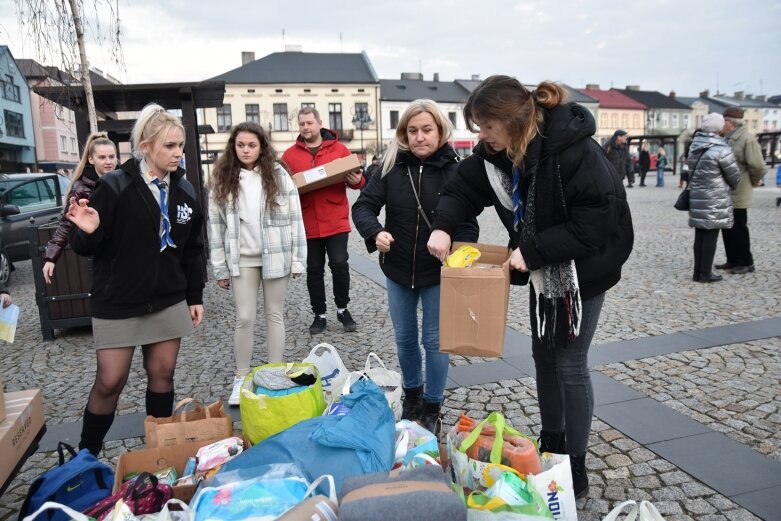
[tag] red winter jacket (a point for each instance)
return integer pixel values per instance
(326, 211)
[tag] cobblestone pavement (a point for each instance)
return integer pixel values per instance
(733, 389)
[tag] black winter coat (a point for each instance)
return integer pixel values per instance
(597, 233)
(408, 262)
(131, 276)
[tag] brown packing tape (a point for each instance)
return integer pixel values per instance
(394, 488)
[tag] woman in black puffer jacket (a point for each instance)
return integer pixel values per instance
(415, 168)
(714, 173)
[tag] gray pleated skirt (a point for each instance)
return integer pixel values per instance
(171, 322)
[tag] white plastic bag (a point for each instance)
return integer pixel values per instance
(51, 505)
(619, 509)
(648, 512)
(388, 381)
(332, 370)
(554, 484)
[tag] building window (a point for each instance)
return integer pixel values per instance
(675, 120)
(63, 144)
(624, 120)
(307, 104)
(307, 91)
(74, 146)
(278, 91)
(614, 120)
(603, 120)
(14, 124)
(253, 113)
(636, 121)
(224, 118)
(335, 116)
(452, 117)
(361, 116)
(280, 116)
(685, 121)
(665, 120)
(394, 118)
(10, 91)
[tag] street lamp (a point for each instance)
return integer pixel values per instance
(361, 120)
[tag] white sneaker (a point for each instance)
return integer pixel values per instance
(236, 393)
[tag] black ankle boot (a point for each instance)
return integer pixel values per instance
(552, 441)
(93, 431)
(579, 475)
(159, 405)
(430, 418)
(412, 403)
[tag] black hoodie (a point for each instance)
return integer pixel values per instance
(597, 232)
(408, 262)
(131, 276)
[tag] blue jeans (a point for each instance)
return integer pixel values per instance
(660, 177)
(564, 389)
(403, 305)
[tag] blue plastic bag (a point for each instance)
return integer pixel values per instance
(263, 493)
(357, 443)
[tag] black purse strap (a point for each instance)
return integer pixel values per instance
(691, 175)
(417, 199)
(62, 445)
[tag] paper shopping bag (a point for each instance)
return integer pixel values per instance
(202, 423)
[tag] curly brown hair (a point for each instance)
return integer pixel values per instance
(224, 180)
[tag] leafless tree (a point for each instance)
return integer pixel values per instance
(57, 29)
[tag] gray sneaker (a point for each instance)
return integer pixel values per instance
(347, 320)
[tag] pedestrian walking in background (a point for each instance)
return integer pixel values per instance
(417, 165)
(713, 174)
(256, 239)
(618, 154)
(661, 164)
(644, 162)
(143, 227)
(99, 158)
(569, 225)
(748, 154)
(326, 218)
(372, 170)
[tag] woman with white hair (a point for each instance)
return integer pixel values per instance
(713, 174)
(414, 170)
(142, 226)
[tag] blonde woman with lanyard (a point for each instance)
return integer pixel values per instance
(99, 158)
(143, 228)
(256, 239)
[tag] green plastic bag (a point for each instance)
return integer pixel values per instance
(263, 416)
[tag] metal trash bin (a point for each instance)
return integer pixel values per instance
(66, 301)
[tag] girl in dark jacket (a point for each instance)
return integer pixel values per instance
(416, 167)
(143, 228)
(569, 224)
(99, 157)
(714, 175)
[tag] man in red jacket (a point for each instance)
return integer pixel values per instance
(326, 217)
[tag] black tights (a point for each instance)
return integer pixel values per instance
(110, 379)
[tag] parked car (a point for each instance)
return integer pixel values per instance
(26, 199)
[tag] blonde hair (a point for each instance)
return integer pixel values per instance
(401, 141)
(94, 139)
(504, 99)
(153, 122)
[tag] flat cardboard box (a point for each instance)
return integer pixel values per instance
(24, 419)
(326, 175)
(473, 304)
(2, 401)
(152, 460)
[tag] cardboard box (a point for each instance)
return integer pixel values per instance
(2, 401)
(152, 460)
(24, 419)
(326, 175)
(473, 304)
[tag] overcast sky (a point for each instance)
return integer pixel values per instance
(664, 45)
